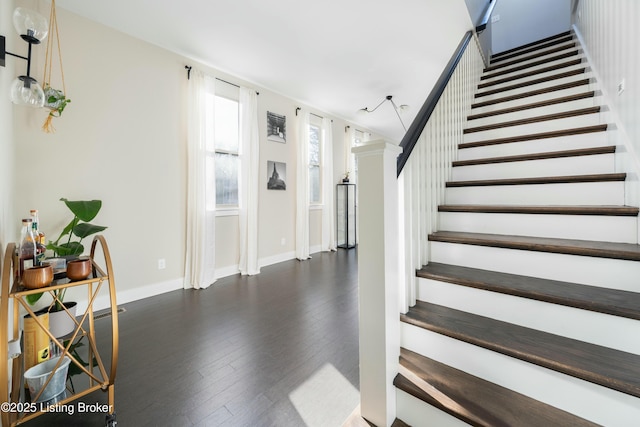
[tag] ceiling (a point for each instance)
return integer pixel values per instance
(336, 56)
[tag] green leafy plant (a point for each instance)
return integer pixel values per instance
(83, 211)
(56, 101)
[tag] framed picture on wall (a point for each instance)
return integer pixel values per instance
(276, 175)
(276, 127)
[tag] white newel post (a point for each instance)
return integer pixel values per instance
(378, 279)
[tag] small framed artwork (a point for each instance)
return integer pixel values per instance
(276, 175)
(276, 127)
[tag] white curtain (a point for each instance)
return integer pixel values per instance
(302, 187)
(328, 189)
(248, 182)
(200, 251)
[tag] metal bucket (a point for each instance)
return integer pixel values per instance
(37, 376)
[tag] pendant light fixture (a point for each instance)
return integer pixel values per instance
(396, 108)
(32, 28)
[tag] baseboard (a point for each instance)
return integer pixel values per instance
(227, 271)
(274, 259)
(102, 301)
(122, 297)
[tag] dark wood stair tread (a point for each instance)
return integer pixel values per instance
(563, 86)
(537, 156)
(567, 179)
(532, 44)
(614, 369)
(544, 210)
(622, 251)
(530, 73)
(501, 71)
(522, 51)
(535, 136)
(474, 400)
(614, 302)
(535, 119)
(530, 56)
(532, 82)
(545, 103)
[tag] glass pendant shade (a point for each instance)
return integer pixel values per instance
(27, 92)
(31, 26)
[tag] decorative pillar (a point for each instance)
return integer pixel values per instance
(378, 280)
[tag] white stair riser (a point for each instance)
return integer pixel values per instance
(534, 112)
(517, 76)
(530, 99)
(533, 128)
(541, 55)
(581, 227)
(487, 95)
(417, 413)
(571, 142)
(587, 193)
(593, 402)
(603, 272)
(578, 165)
(582, 325)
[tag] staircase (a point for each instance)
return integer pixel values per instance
(528, 312)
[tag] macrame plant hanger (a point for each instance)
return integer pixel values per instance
(54, 99)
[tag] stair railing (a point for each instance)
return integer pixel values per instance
(429, 147)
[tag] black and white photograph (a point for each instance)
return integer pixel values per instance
(276, 127)
(276, 175)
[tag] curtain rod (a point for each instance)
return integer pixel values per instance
(347, 127)
(188, 68)
(313, 114)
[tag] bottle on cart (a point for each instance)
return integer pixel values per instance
(27, 250)
(35, 224)
(38, 236)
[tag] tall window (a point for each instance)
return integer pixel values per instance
(315, 156)
(227, 151)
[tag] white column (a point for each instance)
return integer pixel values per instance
(378, 280)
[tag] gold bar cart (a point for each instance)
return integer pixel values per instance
(14, 411)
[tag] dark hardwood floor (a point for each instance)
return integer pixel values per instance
(276, 349)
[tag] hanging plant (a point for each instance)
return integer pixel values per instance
(55, 99)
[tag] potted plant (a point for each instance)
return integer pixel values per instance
(56, 101)
(83, 212)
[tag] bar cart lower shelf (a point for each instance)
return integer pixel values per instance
(16, 406)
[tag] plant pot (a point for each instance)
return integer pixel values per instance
(37, 277)
(79, 269)
(60, 324)
(37, 376)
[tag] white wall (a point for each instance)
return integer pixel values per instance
(609, 32)
(7, 222)
(122, 139)
(476, 9)
(525, 21)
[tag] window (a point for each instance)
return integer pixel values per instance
(315, 183)
(227, 151)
